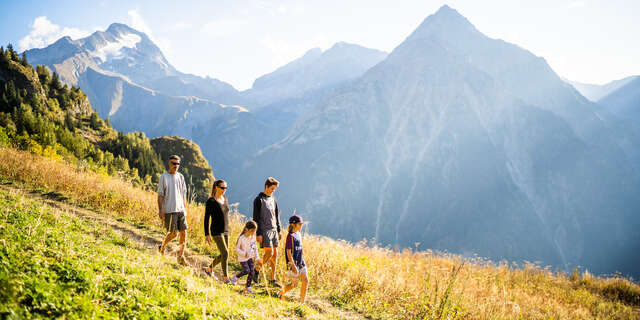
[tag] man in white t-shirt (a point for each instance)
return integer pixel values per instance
(172, 209)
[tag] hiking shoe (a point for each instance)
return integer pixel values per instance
(256, 276)
(181, 260)
(228, 282)
(274, 283)
(234, 280)
(249, 290)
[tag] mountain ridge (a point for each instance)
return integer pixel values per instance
(472, 145)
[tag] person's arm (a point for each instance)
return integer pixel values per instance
(240, 247)
(184, 194)
(256, 217)
(160, 197)
(278, 218)
(288, 251)
(207, 218)
(160, 201)
(255, 252)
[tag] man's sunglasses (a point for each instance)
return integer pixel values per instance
(175, 163)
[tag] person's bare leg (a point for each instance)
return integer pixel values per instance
(272, 262)
(167, 239)
(303, 287)
(183, 240)
(287, 288)
(266, 257)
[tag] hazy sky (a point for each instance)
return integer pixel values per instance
(237, 41)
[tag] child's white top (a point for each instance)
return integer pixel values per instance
(247, 248)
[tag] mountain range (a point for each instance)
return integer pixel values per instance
(596, 92)
(463, 143)
(453, 141)
(128, 80)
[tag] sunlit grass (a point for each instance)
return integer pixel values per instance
(377, 282)
(64, 266)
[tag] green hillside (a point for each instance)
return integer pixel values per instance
(57, 264)
(40, 114)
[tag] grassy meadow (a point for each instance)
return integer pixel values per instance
(116, 280)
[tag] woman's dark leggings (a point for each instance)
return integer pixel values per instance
(247, 269)
(222, 241)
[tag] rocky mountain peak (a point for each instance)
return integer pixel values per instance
(445, 23)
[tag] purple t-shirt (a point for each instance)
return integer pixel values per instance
(294, 242)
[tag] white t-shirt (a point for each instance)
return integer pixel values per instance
(247, 248)
(173, 189)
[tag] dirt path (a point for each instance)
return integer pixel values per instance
(151, 239)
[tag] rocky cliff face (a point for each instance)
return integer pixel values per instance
(466, 144)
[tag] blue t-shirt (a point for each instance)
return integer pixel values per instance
(294, 242)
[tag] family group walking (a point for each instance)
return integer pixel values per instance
(264, 229)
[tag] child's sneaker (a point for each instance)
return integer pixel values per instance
(234, 280)
(249, 290)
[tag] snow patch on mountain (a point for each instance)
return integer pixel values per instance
(113, 49)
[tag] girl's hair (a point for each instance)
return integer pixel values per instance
(291, 225)
(250, 225)
(216, 183)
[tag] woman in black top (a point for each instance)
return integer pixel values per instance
(217, 212)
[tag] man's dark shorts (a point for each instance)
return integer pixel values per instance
(269, 239)
(175, 221)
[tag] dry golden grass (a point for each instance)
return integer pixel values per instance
(376, 281)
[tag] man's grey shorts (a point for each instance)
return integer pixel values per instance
(269, 239)
(175, 221)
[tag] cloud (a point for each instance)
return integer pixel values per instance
(577, 4)
(276, 8)
(181, 25)
(44, 32)
(224, 27)
(137, 22)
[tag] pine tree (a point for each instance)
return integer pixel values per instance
(96, 122)
(3, 57)
(24, 59)
(69, 121)
(55, 82)
(13, 55)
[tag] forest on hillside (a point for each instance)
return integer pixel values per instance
(40, 114)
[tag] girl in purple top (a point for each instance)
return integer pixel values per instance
(296, 267)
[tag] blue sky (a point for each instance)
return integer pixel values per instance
(237, 41)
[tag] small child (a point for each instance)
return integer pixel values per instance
(247, 250)
(296, 267)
